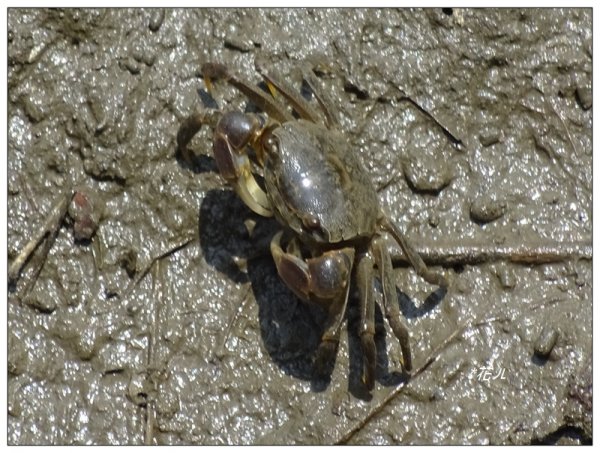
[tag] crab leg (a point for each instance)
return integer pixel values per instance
(216, 71)
(413, 256)
(331, 335)
(322, 99)
(303, 108)
(364, 282)
(390, 299)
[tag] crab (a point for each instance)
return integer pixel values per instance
(300, 170)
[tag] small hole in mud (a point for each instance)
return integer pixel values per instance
(447, 11)
(459, 268)
(360, 93)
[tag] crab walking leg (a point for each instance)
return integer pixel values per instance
(413, 256)
(364, 282)
(303, 108)
(322, 99)
(324, 280)
(216, 71)
(390, 299)
(331, 336)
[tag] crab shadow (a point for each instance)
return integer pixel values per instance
(290, 329)
(413, 311)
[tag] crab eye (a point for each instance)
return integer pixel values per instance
(311, 222)
(270, 144)
(312, 226)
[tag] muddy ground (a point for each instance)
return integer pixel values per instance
(171, 326)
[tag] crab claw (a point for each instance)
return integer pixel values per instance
(324, 280)
(231, 137)
(325, 277)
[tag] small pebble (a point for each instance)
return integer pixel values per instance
(427, 175)
(506, 277)
(85, 210)
(545, 342)
(149, 57)
(584, 97)
(461, 286)
(485, 209)
(141, 54)
(581, 276)
(490, 135)
(137, 51)
(132, 65)
(434, 220)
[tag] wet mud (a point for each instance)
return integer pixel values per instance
(150, 312)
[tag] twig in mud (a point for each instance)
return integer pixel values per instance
(455, 254)
(140, 275)
(561, 162)
(150, 421)
(428, 361)
(564, 126)
(547, 303)
(38, 260)
(150, 408)
(403, 97)
(220, 350)
(49, 229)
(28, 195)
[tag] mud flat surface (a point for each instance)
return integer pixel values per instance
(170, 325)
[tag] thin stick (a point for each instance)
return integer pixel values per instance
(48, 229)
(403, 97)
(147, 268)
(153, 335)
(447, 254)
(578, 176)
(38, 259)
(220, 350)
(149, 428)
(428, 361)
(28, 193)
(564, 126)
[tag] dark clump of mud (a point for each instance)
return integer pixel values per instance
(151, 311)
